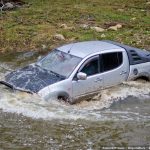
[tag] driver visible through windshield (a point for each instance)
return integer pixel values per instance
(60, 63)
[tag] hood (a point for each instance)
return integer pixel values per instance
(31, 78)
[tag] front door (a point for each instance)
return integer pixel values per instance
(94, 81)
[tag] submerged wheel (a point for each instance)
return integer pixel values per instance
(142, 79)
(63, 98)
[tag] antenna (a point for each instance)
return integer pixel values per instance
(71, 47)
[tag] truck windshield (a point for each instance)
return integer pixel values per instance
(59, 62)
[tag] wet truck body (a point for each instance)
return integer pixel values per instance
(81, 69)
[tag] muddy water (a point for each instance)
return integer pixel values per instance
(116, 117)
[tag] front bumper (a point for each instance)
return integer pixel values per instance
(14, 88)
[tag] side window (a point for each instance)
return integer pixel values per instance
(91, 67)
(111, 61)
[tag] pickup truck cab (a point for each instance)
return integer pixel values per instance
(80, 70)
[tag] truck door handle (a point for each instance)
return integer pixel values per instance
(98, 80)
(123, 72)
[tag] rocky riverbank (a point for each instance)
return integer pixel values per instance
(42, 25)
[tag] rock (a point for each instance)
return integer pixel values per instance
(133, 19)
(148, 3)
(59, 37)
(44, 47)
(116, 27)
(84, 26)
(121, 10)
(103, 36)
(39, 58)
(63, 26)
(98, 29)
(9, 6)
(119, 26)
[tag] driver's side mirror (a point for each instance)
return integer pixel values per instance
(81, 76)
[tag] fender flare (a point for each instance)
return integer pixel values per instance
(64, 95)
(144, 76)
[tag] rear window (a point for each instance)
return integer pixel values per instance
(111, 61)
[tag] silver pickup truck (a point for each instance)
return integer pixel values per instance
(80, 70)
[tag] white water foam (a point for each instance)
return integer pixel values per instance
(34, 107)
(106, 97)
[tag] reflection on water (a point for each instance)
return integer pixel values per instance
(117, 116)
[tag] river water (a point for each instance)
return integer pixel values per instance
(117, 117)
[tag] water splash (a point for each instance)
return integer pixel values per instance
(108, 96)
(35, 107)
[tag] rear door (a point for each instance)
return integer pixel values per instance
(114, 67)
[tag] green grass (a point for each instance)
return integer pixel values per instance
(33, 25)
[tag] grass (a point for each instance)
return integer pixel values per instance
(33, 25)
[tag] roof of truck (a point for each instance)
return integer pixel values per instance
(83, 49)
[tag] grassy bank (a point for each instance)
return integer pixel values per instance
(32, 27)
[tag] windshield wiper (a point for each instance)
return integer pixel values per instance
(37, 64)
(58, 75)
